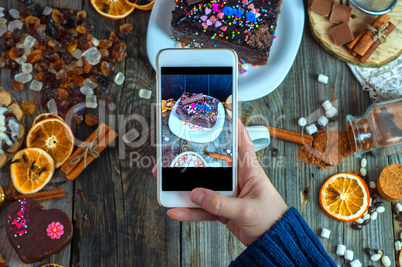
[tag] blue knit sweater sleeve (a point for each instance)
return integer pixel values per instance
(289, 242)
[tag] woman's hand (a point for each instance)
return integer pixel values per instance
(248, 216)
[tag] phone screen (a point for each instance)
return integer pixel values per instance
(197, 133)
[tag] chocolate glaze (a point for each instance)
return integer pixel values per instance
(189, 112)
(35, 245)
(252, 43)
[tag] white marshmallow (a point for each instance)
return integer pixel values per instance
(311, 129)
(331, 112)
(363, 172)
(302, 122)
(398, 245)
(323, 121)
(325, 233)
(340, 250)
(348, 255)
(323, 78)
(363, 163)
(399, 207)
(355, 263)
(327, 105)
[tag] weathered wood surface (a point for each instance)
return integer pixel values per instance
(385, 53)
(121, 223)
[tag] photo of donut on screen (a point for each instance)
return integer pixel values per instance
(196, 117)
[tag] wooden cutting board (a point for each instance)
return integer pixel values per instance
(385, 53)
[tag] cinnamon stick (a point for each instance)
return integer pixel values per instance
(353, 43)
(367, 40)
(67, 166)
(290, 136)
(50, 197)
(105, 142)
(376, 44)
(219, 156)
(42, 194)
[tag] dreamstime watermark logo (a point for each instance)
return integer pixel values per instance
(137, 131)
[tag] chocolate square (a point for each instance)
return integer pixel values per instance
(340, 14)
(342, 34)
(322, 7)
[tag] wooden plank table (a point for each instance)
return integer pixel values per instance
(121, 223)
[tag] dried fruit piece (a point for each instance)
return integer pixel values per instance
(125, 29)
(28, 107)
(114, 38)
(84, 40)
(61, 94)
(87, 67)
(32, 22)
(91, 120)
(34, 56)
(57, 16)
(78, 113)
(85, 28)
(16, 53)
(81, 15)
(105, 43)
(104, 53)
(120, 51)
(18, 86)
(116, 9)
(55, 137)
(31, 170)
(107, 68)
(38, 32)
(72, 45)
(54, 44)
(345, 197)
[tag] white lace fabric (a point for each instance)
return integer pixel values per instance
(381, 83)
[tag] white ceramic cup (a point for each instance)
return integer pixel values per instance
(260, 137)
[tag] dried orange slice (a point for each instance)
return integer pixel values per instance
(51, 265)
(44, 116)
(112, 9)
(141, 4)
(345, 197)
(55, 137)
(31, 170)
(164, 109)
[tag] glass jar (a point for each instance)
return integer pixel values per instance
(379, 130)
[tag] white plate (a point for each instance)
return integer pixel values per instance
(186, 130)
(257, 82)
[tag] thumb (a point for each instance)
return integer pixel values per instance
(217, 203)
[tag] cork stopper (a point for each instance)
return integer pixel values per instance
(389, 184)
(2, 196)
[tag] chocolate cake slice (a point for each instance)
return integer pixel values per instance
(198, 109)
(247, 26)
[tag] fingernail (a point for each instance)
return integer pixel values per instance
(198, 197)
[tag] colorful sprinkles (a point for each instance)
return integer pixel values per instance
(21, 219)
(227, 20)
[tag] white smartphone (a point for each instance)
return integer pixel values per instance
(196, 135)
